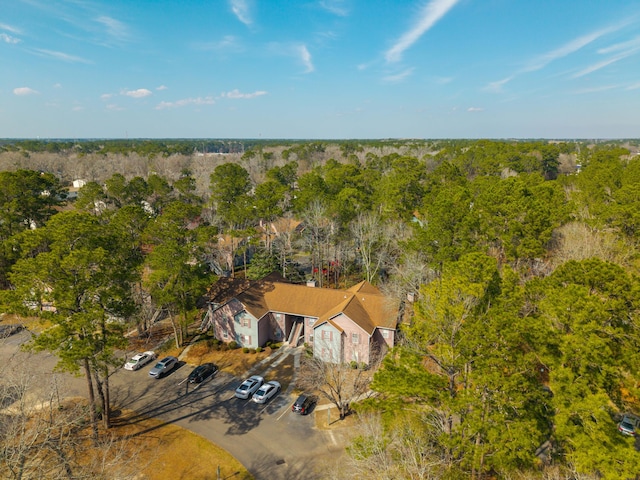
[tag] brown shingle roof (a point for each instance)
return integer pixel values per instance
(363, 303)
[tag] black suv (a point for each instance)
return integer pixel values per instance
(303, 404)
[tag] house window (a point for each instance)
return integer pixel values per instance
(312, 321)
(355, 338)
(225, 335)
(246, 339)
(246, 322)
(326, 334)
(385, 333)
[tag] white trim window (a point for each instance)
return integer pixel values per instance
(327, 335)
(355, 338)
(385, 333)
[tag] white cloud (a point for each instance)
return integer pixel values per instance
(398, 77)
(9, 28)
(77, 109)
(603, 88)
(112, 107)
(106, 96)
(65, 57)
(634, 86)
(566, 49)
(9, 39)
(337, 7)
(186, 101)
(599, 65)
(633, 43)
(23, 91)
(235, 93)
(241, 10)
(162, 87)
(497, 85)
(475, 109)
(139, 93)
(428, 17)
(305, 57)
(228, 43)
(115, 28)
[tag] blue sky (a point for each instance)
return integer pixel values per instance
(320, 69)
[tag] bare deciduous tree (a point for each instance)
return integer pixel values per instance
(340, 383)
(406, 451)
(45, 436)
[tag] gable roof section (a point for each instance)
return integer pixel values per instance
(363, 303)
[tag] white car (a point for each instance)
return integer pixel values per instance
(249, 386)
(266, 392)
(139, 360)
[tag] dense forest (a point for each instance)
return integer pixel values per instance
(516, 263)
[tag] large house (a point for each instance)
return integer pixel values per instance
(342, 325)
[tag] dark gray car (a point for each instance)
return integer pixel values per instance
(163, 367)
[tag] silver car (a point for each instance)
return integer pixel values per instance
(249, 387)
(266, 392)
(163, 366)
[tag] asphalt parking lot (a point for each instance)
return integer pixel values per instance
(269, 440)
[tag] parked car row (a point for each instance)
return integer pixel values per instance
(259, 390)
(253, 387)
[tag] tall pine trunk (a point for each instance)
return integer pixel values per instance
(92, 401)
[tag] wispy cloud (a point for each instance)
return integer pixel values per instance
(541, 61)
(115, 28)
(235, 93)
(427, 18)
(9, 28)
(228, 43)
(24, 91)
(299, 51)
(498, 84)
(305, 58)
(185, 102)
(568, 48)
(398, 77)
(634, 86)
(65, 57)
(162, 87)
(475, 109)
(112, 107)
(602, 64)
(337, 7)
(629, 44)
(602, 88)
(139, 93)
(241, 10)
(9, 39)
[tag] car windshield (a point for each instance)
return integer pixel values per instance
(627, 425)
(159, 365)
(133, 360)
(244, 386)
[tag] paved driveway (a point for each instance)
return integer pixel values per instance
(269, 440)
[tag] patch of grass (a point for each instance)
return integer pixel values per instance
(283, 372)
(33, 324)
(235, 362)
(169, 451)
(329, 419)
